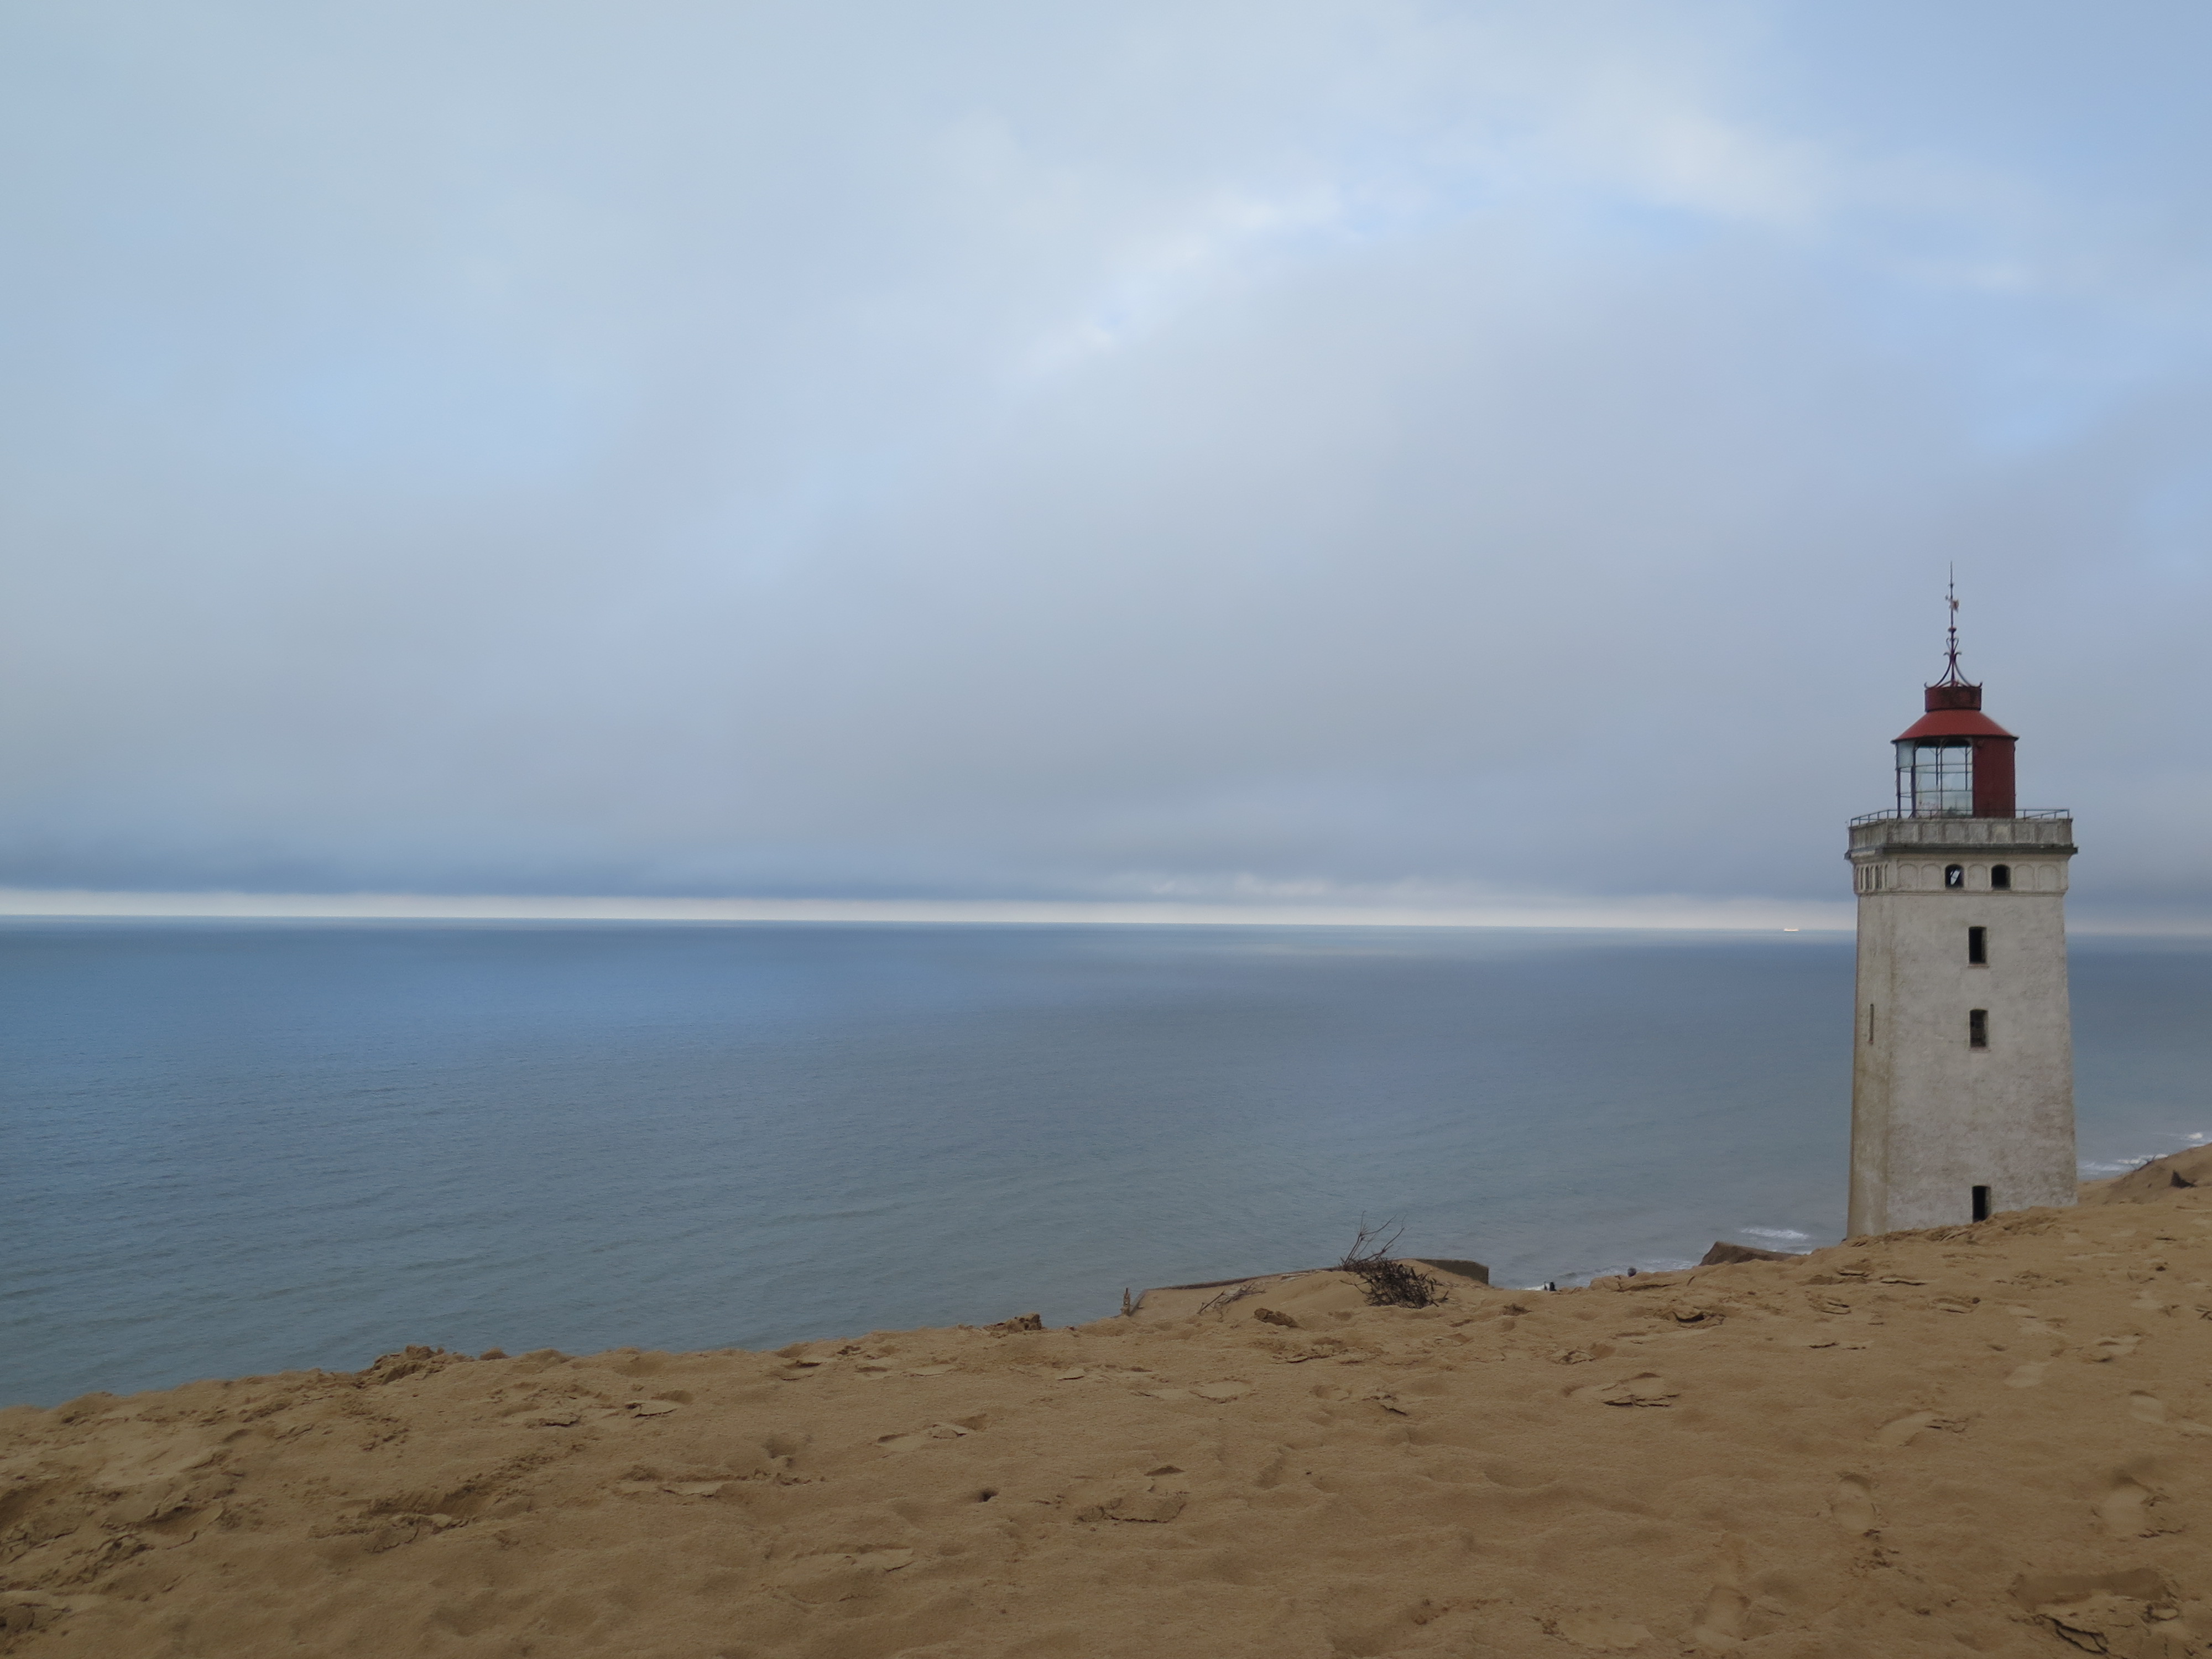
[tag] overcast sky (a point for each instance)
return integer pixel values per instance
(1351, 452)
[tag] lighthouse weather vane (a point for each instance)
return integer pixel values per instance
(1951, 675)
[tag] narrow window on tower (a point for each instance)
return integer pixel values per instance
(1978, 1028)
(1955, 875)
(1869, 1022)
(1981, 1204)
(2001, 877)
(1978, 946)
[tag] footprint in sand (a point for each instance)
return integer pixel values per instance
(1852, 1505)
(1221, 1393)
(881, 1560)
(823, 1580)
(1645, 1388)
(1151, 1505)
(959, 1430)
(2126, 1510)
(1721, 1621)
(1903, 1430)
(2149, 1408)
(677, 1488)
(1591, 1630)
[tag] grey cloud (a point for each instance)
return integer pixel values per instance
(854, 449)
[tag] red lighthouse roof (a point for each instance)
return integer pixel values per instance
(1955, 710)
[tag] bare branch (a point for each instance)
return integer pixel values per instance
(1389, 1283)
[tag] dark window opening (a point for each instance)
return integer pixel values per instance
(1978, 1028)
(1869, 1022)
(1955, 875)
(2001, 877)
(1978, 946)
(1981, 1204)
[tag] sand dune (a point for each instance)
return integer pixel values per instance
(1988, 1439)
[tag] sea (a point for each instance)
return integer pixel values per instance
(232, 1148)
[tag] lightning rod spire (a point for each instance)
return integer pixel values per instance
(1951, 674)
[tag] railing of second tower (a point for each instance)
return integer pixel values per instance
(2026, 812)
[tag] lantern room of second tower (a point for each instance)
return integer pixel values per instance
(1954, 762)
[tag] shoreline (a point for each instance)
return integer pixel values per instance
(1984, 1437)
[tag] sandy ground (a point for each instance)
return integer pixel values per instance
(1988, 1439)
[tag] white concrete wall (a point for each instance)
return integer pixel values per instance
(1932, 1117)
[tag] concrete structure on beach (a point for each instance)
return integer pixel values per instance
(1962, 1077)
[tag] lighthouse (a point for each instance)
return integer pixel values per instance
(1962, 1075)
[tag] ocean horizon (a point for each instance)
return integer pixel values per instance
(246, 1147)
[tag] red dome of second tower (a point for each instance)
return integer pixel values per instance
(1955, 710)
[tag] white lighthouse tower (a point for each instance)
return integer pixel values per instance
(1962, 1081)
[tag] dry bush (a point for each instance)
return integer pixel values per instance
(1234, 1293)
(1389, 1283)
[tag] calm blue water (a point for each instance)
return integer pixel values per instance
(232, 1148)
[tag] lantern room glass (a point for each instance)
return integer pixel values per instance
(1935, 780)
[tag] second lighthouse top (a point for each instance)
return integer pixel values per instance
(1954, 762)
